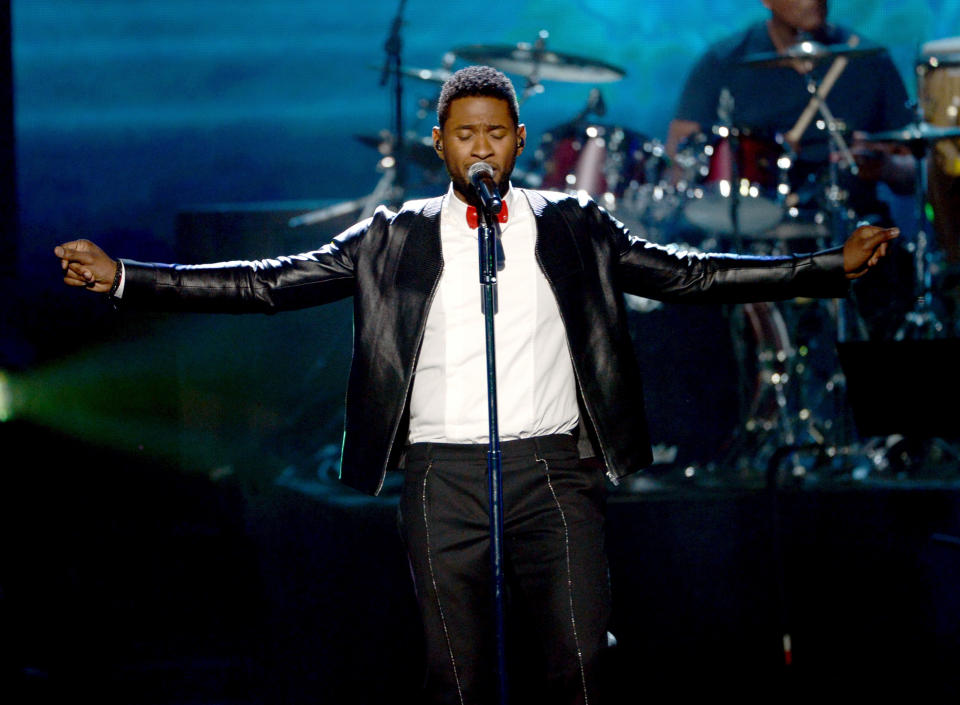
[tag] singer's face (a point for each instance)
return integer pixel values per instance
(479, 129)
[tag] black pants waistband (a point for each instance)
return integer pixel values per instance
(512, 448)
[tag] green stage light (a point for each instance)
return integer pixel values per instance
(205, 393)
(6, 398)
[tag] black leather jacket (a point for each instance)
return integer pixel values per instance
(391, 265)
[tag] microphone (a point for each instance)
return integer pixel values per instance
(481, 176)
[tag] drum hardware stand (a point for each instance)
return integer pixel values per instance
(735, 194)
(787, 365)
(595, 105)
(532, 86)
(783, 419)
(783, 412)
(725, 128)
(831, 441)
(761, 430)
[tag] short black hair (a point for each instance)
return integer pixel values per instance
(477, 81)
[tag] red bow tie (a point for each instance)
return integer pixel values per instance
(473, 219)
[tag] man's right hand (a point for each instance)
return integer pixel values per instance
(84, 264)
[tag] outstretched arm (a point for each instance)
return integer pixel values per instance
(84, 264)
(238, 286)
(865, 247)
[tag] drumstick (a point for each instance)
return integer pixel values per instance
(836, 68)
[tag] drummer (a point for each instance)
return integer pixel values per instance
(868, 96)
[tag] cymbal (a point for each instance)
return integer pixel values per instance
(429, 75)
(937, 60)
(939, 52)
(806, 51)
(915, 132)
(526, 60)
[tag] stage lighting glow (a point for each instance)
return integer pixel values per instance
(6, 398)
(170, 390)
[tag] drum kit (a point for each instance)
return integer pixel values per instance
(729, 188)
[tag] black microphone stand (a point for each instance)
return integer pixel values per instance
(491, 258)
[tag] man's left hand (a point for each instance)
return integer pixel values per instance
(865, 247)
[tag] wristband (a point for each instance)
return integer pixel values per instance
(116, 280)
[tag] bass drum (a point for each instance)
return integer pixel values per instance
(710, 372)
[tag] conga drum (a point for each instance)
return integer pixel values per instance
(938, 90)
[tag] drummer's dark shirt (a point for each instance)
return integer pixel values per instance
(869, 95)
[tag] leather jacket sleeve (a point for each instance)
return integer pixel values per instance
(266, 286)
(668, 273)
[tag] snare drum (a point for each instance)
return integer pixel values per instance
(737, 181)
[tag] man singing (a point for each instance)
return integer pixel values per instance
(570, 394)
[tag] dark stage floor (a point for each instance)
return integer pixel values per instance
(126, 580)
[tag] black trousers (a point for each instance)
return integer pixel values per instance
(554, 562)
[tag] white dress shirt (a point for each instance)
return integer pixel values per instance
(536, 388)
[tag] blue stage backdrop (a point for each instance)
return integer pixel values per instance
(130, 114)
(127, 112)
